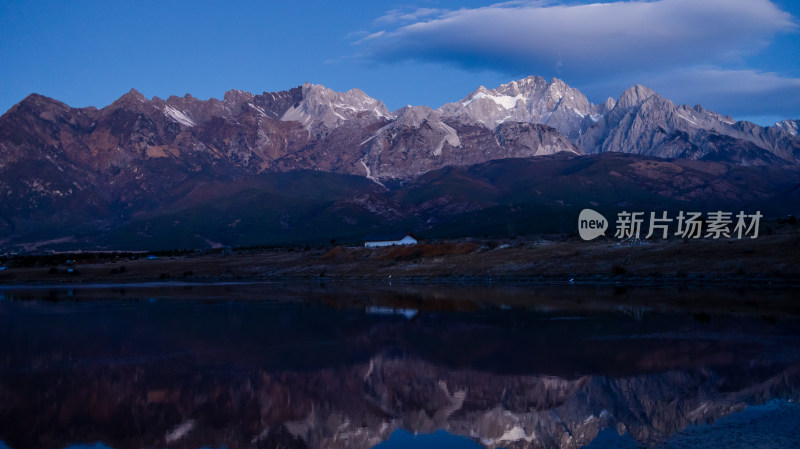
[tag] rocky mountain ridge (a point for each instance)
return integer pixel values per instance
(642, 122)
(312, 127)
(72, 168)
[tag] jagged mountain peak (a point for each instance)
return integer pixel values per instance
(789, 126)
(413, 116)
(522, 86)
(319, 90)
(34, 107)
(133, 95)
(529, 86)
(558, 85)
(133, 100)
(35, 98)
(643, 122)
(176, 100)
(354, 97)
(635, 96)
(237, 96)
(532, 100)
(275, 104)
(608, 105)
(235, 99)
(329, 108)
(38, 102)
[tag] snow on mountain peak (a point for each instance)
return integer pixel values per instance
(178, 116)
(321, 105)
(789, 126)
(413, 117)
(504, 101)
(531, 100)
(526, 86)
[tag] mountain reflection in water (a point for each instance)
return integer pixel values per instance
(345, 366)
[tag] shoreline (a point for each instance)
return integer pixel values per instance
(769, 261)
(381, 297)
(691, 280)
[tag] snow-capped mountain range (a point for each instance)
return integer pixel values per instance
(139, 153)
(313, 127)
(639, 122)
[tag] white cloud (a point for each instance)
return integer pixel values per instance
(582, 41)
(717, 81)
(369, 37)
(733, 92)
(401, 15)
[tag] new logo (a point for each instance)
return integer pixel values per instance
(591, 224)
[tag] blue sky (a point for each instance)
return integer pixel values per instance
(737, 57)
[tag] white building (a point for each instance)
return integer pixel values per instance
(376, 241)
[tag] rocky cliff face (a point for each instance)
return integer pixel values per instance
(642, 122)
(321, 106)
(419, 141)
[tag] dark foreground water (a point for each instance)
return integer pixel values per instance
(360, 366)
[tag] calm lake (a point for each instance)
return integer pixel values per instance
(311, 365)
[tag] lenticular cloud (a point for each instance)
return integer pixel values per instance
(579, 40)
